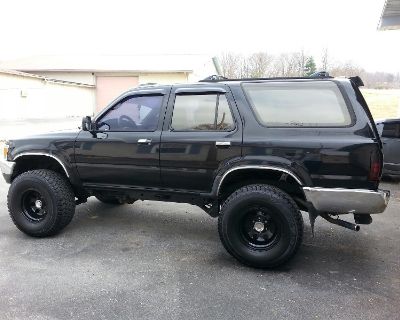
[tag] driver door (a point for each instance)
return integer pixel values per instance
(124, 150)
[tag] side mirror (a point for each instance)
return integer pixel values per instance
(87, 124)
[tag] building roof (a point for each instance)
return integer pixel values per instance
(108, 63)
(46, 79)
(390, 18)
(21, 74)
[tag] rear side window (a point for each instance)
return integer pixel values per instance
(202, 112)
(298, 104)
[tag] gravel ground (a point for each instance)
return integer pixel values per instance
(155, 260)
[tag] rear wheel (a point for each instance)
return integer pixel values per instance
(260, 226)
(41, 202)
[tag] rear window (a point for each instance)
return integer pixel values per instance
(298, 104)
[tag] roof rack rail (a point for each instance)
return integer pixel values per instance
(148, 84)
(317, 75)
(320, 74)
(214, 77)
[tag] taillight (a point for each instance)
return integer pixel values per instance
(375, 171)
(375, 167)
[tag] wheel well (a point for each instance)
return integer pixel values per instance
(32, 162)
(240, 178)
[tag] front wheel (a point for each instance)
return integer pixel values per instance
(41, 202)
(261, 226)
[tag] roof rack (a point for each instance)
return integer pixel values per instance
(214, 77)
(320, 74)
(148, 84)
(316, 75)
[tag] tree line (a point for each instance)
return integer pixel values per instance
(299, 64)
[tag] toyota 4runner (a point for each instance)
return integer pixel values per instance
(252, 152)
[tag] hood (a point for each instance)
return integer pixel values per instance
(59, 134)
(51, 142)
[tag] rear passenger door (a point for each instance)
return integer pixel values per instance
(202, 131)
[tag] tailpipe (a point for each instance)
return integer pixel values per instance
(342, 223)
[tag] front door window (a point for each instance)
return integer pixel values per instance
(140, 113)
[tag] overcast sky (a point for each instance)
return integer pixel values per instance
(348, 28)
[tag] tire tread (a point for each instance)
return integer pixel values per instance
(64, 195)
(267, 190)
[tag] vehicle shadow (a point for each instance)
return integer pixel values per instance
(185, 238)
(166, 220)
(333, 250)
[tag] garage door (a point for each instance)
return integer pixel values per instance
(108, 88)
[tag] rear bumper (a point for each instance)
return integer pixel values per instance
(7, 168)
(341, 201)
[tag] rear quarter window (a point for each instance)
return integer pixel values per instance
(298, 104)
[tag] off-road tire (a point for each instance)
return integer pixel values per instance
(280, 208)
(58, 202)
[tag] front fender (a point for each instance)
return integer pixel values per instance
(58, 146)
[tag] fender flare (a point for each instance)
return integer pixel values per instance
(44, 155)
(259, 167)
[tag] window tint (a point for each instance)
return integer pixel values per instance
(293, 104)
(202, 112)
(224, 116)
(132, 114)
(390, 130)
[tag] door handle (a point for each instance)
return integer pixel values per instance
(223, 144)
(101, 135)
(144, 141)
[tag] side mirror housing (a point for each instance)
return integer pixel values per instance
(87, 124)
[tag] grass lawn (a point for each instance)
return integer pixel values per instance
(383, 103)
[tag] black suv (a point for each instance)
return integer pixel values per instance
(252, 152)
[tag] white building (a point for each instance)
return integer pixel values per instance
(62, 86)
(390, 17)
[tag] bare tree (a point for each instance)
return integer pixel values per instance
(244, 70)
(230, 64)
(346, 69)
(281, 66)
(259, 64)
(324, 59)
(238, 66)
(293, 64)
(301, 62)
(289, 64)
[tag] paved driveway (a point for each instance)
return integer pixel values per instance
(154, 260)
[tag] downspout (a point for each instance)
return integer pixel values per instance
(217, 65)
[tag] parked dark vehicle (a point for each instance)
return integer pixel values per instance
(252, 152)
(389, 129)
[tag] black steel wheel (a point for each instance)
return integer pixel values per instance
(41, 202)
(33, 205)
(261, 226)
